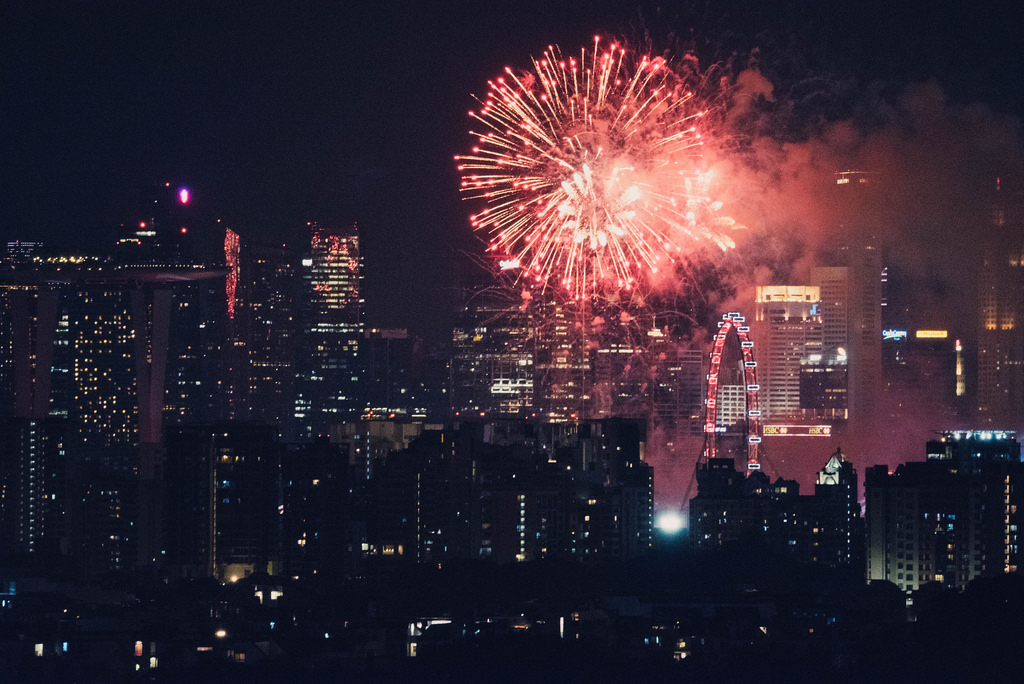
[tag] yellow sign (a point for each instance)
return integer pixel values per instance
(932, 334)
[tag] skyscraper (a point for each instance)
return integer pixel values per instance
(851, 319)
(492, 359)
(563, 365)
(1001, 326)
(263, 292)
(89, 349)
(329, 383)
(787, 330)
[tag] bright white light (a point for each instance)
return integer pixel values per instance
(669, 522)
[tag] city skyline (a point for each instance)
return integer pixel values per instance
(570, 341)
(341, 115)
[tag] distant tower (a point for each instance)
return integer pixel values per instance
(564, 381)
(787, 327)
(492, 359)
(1001, 315)
(851, 317)
(262, 292)
(851, 293)
(677, 391)
(329, 383)
(159, 226)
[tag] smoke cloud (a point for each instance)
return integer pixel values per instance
(932, 167)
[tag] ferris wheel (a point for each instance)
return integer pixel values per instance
(733, 322)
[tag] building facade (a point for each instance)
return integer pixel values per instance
(949, 519)
(328, 372)
(787, 328)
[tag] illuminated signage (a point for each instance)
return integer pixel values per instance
(894, 334)
(796, 430)
(932, 334)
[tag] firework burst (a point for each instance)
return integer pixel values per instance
(589, 170)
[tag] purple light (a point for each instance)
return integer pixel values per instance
(183, 195)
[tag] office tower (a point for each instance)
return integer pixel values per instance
(850, 282)
(921, 377)
(563, 364)
(492, 363)
(1001, 314)
(620, 375)
(394, 368)
(196, 375)
(824, 385)
(787, 330)
(851, 321)
(732, 405)
(677, 390)
(262, 292)
(949, 519)
(328, 374)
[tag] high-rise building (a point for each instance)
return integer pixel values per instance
(223, 500)
(787, 329)
(492, 366)
(328, 371)
(393, 364)
(89, 349)
(851, 321)
(951, 518)
(563, 364)
(1001, 327)
(34, 485)
(515, 491)
(262, 294)
(678, 387)
(316, 525)
(922, 377)
(196, 373)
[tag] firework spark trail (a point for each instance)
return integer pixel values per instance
(588, 169)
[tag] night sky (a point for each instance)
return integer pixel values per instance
(275, 114)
